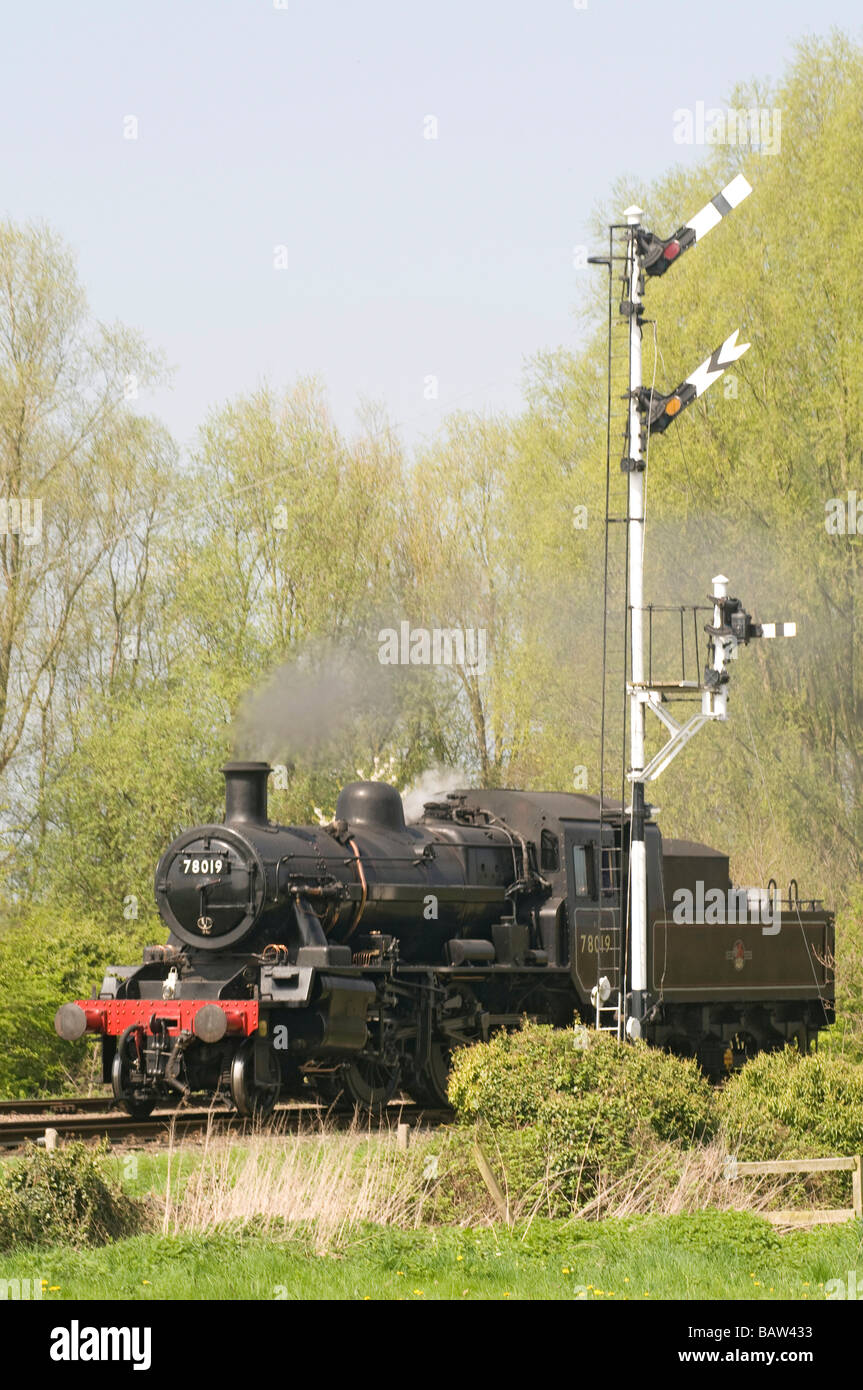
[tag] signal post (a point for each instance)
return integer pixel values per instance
(651, 412)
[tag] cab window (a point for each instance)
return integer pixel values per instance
(549, 851)
(581, 871)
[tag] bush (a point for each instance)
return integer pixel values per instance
(843, 1039)
(783, 1105)
(44, 963)
(64, 1197)
(849, 963)
(567, 1114)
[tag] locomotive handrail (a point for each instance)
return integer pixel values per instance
(364, 887)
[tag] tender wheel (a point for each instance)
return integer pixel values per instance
(367, 1084)
(743, 1047)
(134, 1099)
(429, 1086)
(255, 1079)
(714, 1057)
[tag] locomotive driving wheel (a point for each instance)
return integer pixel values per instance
(136, 1101)
(429, 1086)
(255, 1079)
(367, 1083)
(455, 1024)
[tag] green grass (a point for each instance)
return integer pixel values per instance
(708, 1255)
(144, 1173)
(705, 1256)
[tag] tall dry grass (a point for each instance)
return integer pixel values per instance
(698, 1184)
(665, 1182)
(329, 1182)
(326, 1182)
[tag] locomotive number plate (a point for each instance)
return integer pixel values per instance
(596, 943)
(204, 864)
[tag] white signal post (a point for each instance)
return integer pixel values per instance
(635, 528)
(651, 412)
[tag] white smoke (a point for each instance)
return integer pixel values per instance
(321, 703)
(432, 786)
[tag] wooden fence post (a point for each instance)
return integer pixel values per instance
(491, 1183)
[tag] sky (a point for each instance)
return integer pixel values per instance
(385, 195)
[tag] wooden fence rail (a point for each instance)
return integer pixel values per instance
(734, 1169)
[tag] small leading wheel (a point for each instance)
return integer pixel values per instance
(136, 1101)
(367, 1084)
(429, 1086)
(255, 1079)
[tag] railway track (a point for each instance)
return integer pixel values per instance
(181, 1122)
(59, 1105)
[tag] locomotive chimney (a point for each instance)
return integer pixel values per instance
(246, 793)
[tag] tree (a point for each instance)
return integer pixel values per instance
(79, 495)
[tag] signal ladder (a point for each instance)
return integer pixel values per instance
(609, 1008)
(607, 1000)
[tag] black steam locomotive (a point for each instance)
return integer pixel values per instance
(354, 958)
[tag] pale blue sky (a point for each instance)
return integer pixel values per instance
(303, 127)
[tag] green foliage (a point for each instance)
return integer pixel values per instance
(46, 960)
(847, 1034)
(64, 1197)
(556, 1120)
(844, 1038)
(782, 1105)
(457, 1194)
(716, 1234)
(148, 768)
(508, 1081)
(715, 1256)
(579, 1111)
(97, 473)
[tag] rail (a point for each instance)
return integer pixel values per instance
(178, 1121)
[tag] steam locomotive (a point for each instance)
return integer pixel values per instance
(354, 958)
